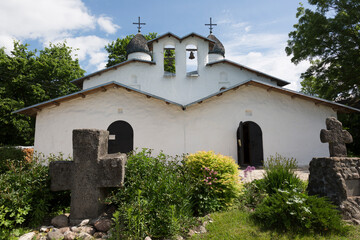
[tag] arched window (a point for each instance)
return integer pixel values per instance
(191, 61)
(169, 60)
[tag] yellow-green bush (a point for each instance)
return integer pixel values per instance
(215, 180)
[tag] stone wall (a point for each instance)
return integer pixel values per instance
(337, 178)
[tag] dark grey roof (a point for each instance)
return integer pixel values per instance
(278, 81)
(79, 81)
(137, 44)
(218, 47)
(32, 110)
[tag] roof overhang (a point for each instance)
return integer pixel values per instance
(279, 82)
(78, 82)
(180, 39)
(32, 110)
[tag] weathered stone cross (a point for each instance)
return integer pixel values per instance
(336, 137)
(89, 174)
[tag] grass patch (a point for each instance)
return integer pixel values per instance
(236, 224)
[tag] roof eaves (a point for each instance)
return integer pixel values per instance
(279, 81)
(114, 67)
(83, 93)
(168, 34)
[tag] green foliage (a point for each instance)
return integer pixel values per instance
(169, 61)
(25, 196)
(252, 194)
(328, 36)
(117, 49)
(279, 174)
(29, 77)
(290, 210)
(10, 155)
(351, 121)
(154, 200)
(215, 179)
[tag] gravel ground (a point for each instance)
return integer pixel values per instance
(303, 174)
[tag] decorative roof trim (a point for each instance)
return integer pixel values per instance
(279, 82)
(78, 82)
(293, 94)
(169, 34)
(32, 110)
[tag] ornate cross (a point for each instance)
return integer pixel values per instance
(139, 24)
(211, 24)
(336, 137)
(89, 174)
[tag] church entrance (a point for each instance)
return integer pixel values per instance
(250, 144)
(121, 137)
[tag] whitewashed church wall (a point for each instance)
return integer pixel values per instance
(290, 127)
(178, 88)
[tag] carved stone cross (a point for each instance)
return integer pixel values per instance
(336, 137)
(88, 176)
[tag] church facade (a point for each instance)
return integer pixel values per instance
(180, 95)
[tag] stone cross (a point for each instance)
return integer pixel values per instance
(336, 137)
(88, 176)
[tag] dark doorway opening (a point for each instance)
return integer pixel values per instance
(250, 144)
(121, 137)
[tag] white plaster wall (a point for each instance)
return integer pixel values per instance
(290, 127)
(139, 55)
(179, 88)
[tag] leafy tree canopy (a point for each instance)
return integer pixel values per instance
(117, 48)
(28, 77)
(328, 36)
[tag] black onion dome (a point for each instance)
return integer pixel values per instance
(137, 44)
(216, 47)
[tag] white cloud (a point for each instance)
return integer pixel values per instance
(107, 25)
(43, 18)
(91, 50)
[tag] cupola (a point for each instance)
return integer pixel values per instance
(138, 48)
(216, 49)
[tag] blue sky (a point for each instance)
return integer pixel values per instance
(254, 32)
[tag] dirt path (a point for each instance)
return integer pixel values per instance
(303, 174)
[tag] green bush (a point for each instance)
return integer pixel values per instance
(279, 174)
(252, 194)
(155, 198)
(291, 210)
(10, 156)
(215, 179)
(25, 196)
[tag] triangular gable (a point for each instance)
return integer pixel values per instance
(279, 82)
(32, 110)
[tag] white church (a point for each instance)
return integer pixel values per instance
(180, 95)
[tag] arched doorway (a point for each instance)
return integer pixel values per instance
(250, 144)
(121, 137)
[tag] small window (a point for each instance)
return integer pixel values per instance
(169, 60)
(191, 61)
(222, 88)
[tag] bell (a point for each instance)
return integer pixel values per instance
(191, 55)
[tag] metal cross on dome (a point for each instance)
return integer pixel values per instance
(211, 24)
(139, 24)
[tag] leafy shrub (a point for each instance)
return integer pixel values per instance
(279, 174)
(252, 194)
(291, 210)
(25, 196)
(154, 200)
(10, 155)
(215, 179)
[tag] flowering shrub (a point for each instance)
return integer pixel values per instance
(155, 198)
(215, 180)
(291, 210)
(280, 174)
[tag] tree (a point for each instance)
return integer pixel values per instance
(29, 77)
(329, 37)
(117, 49)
